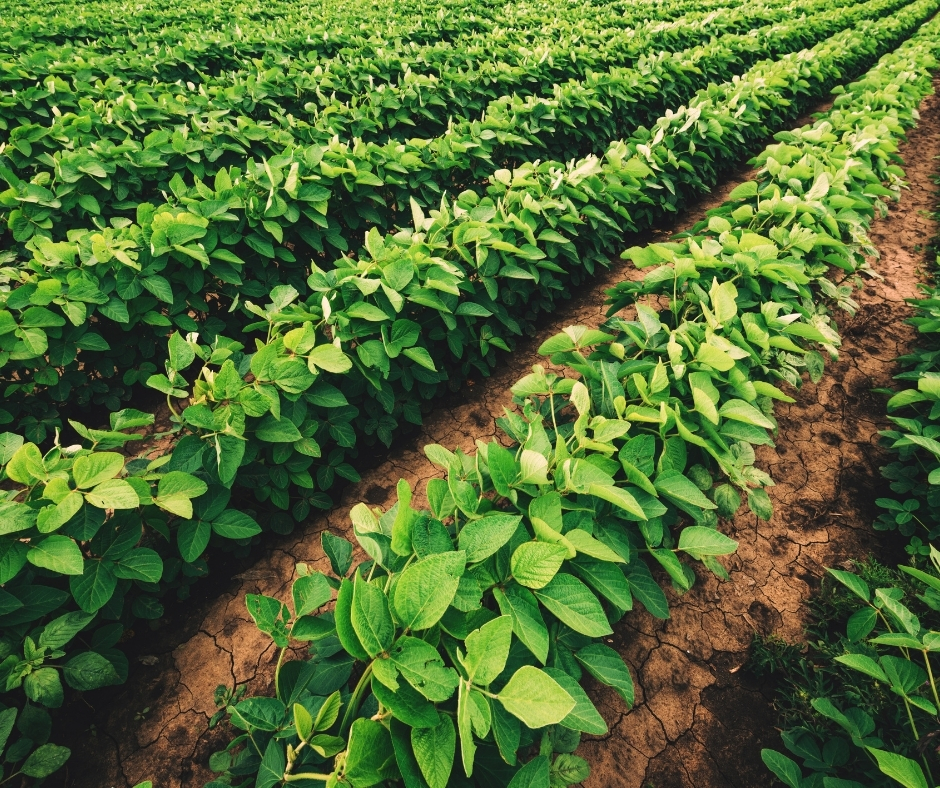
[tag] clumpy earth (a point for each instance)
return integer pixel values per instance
(699, 720)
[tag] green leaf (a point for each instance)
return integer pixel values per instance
(488, 650)
(192, 538)
(343, 616)
(608, 667)
(426, 588)
(371, 617)
(92, 469)
(678, 488)
(782, 766)
(522, 607)
(113, 494)
(574, 604)
(584, 716)
(534, 564)
(370, 758)
(481, 538)
(423, 668)
(899, 768)
(94, 587)
(619, 497)
(759, 502)
(45, 760)
(272, 430)
(310, 592)
(272, 766)
(468, 747)
(61, 630)
(329, 359)
(535, 774)
(535, 698)
(853, 582)
(435, 750)
(57, 554)
(407, 704)
(89, 671)
(727, 500)
(739, 410)
(861, 623)
(647, 590)
(569, 769)
(587, 545)
(863, 664)
(339, 551)
(142, 564)
(233, 524)
(504, 470)
(43, 687)
(697, 540)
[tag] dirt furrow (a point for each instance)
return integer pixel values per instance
(698, 721)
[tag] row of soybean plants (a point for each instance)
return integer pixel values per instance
(86, 527)
(868, 714)
(191, 56)
(194, 260)
(454, 654)
(396, 76)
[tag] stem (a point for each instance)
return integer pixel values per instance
(169, 403)
(289, 778)
(277, 673)
(933, 684)
(355, 700)
(910, 717)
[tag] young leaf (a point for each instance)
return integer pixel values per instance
(425, 589)
(535, 698)
(339, 551)
(534, 564)
(527, 623)
(488, 650)
(371, 617)
(435, 749)
(574, 604)
(608, 667)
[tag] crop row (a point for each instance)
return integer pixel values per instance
(285, 201)
(193, 56)
(528, 554)
(408, 84)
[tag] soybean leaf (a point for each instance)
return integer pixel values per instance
(435, 749)
(45, 760)
(535, 774)
(339, 551)
(425, 589)
(488, 650)
(535, 698)
(584, 716)
(608, 667)
(483, 537)
(89, 671)
(371, 617)
(522, 607)
(574, 604)
(423, 668)
(534, 564)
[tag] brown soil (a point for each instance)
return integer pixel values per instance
(699, 720)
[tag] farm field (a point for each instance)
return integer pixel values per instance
(469, 394)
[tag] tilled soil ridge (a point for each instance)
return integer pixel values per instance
(698, 721)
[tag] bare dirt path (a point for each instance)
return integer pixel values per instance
(696, 714)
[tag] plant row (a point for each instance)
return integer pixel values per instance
(453, 654)
(868, 716)
(299, 43)
(195, 261)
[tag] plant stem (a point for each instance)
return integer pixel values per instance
(933, 684)
(289, 778)
(277, 673)
(355, 700)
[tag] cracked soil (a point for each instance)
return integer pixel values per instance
(699, 721)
